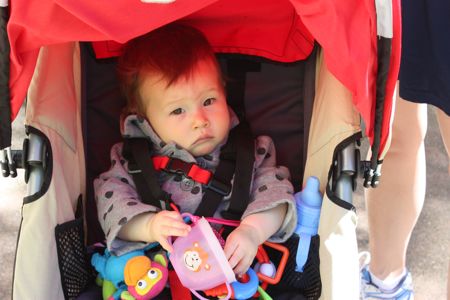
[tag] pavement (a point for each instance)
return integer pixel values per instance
(427, 257)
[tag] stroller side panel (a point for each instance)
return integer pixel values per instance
(53, 202)
(334, 119)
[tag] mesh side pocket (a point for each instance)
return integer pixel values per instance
(76, 273)
(307, 283)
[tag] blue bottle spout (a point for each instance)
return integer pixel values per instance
(309, 202)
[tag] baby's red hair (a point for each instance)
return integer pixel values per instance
(171, 51)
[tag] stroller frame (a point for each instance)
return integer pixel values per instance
(49, 143)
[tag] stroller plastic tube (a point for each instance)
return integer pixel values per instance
(11, 164)
(35, 161)
(4, 163)
(347, 170)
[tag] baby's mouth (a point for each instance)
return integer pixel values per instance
(202, 139)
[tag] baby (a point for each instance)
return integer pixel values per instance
(176, 99)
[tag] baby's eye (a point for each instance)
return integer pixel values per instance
(209, 101)
(177, 111)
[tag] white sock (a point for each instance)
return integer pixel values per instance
(387, 285)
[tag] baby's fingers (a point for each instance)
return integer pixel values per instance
(242, 266)
(171, 230)
(234, 257)
(173, 215)
(230, 246)
(175, 230)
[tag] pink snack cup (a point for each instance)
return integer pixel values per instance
(199, 260)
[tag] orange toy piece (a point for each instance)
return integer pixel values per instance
(221, 290)
(281, 267)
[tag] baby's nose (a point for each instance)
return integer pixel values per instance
(201, 121)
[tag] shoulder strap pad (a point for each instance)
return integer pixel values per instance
(140, 166)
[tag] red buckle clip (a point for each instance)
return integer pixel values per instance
(177, 166)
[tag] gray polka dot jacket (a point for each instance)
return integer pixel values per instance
(118, 201)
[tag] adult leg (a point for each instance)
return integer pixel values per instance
(394, 207)
(444, 125)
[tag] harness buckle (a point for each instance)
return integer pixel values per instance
(178, 166)
(133, 168)
(218, 187)
(192, 171)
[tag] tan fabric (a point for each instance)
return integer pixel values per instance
(339, 268)
(37, 273)
(334, 119)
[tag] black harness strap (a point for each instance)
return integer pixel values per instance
(243, 143)
(245, 157)
(236, 158)
(237, 69)
(140, 166)
(224, 173)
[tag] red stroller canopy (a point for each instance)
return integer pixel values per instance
(280, 30)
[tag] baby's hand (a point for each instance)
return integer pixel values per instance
(167, 223)
(241, 247)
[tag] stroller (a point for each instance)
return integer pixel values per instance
(323, 69)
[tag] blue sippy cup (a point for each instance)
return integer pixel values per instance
(308, 201)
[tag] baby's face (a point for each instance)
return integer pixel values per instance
(192, 112)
